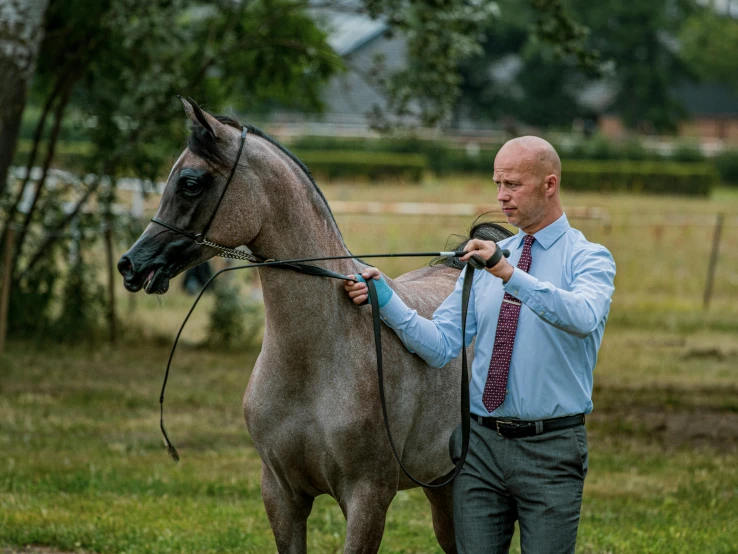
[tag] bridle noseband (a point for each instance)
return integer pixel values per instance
(201, 238)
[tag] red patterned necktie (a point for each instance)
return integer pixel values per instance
(507, 325)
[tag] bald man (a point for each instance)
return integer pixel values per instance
(539, 318)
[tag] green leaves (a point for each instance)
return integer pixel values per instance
(440, 35)
(709, 44)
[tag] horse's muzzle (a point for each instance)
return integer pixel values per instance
(150, 278)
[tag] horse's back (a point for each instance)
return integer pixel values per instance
(424, 289)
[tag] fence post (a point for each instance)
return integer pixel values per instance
(5, 288)
(111, 281)
(713, 260)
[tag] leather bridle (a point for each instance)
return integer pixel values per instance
(201, 238)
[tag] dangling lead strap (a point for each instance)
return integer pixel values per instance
(297, 265)
(465, 416)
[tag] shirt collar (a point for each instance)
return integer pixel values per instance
(548, 235)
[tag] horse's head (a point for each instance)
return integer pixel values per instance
(200, 197)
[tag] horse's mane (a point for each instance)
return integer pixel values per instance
(484, 230)
(202, 144)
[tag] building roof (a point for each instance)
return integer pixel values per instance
(348, 29)
(707, 99)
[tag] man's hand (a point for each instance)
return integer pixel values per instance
(485, 249)
(358, 291)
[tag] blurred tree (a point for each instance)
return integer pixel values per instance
(442, 35)
(115, 66)
(528, 71)
(709, 43)
(632, 46)
(21, 32)
(639, 39)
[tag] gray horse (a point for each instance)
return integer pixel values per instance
(312, 403)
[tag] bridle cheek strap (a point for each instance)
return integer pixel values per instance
(199, 238)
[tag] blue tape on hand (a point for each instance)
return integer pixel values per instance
(384, 293)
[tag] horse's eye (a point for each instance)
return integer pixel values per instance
(190, 186)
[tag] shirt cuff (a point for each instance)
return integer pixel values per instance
(395, 311)
(520, 285)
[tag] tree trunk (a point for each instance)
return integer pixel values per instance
(21, 31)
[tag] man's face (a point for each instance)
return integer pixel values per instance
(520, 187)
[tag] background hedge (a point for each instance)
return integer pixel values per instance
(694, 179)
(333, 164)
(409, 159)
(726, 164)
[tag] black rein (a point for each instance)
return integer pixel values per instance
(298, 265)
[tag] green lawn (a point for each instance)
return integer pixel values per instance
(82, 465)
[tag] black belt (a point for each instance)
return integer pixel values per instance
(515, 428)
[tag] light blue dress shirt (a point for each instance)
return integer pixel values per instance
(565, 303)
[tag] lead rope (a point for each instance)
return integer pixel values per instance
(297, 265)
(465, 412)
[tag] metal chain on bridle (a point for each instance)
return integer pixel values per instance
(231, 253)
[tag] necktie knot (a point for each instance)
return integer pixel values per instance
(529, 240)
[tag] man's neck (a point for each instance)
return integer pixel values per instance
(547, 220)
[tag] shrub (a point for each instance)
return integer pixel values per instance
(234, 322)
(333, 164)
(726, 164)
(83, 304)
(687, 152)
(692, 179)
(441, 157)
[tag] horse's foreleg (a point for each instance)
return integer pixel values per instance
(365, 506)
(287, 514)
(442, 507)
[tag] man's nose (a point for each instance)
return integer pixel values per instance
(502, 195)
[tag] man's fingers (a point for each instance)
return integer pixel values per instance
(360, 299)
(476, 246)
(473, 244)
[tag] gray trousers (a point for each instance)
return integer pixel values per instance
(536, 480)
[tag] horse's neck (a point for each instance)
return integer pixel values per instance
(298, 306)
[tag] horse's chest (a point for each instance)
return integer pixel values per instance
(303, 427)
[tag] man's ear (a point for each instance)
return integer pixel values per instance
(552, 184)
(198, 116)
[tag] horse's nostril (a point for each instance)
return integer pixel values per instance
(125, 267)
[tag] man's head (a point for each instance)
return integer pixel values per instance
(527, 174)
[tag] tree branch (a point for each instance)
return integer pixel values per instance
(53, 234)
(31, 158)
(58, 117)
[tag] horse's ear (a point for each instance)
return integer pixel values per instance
(200, 117)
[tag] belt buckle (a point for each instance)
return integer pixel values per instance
(497, 425)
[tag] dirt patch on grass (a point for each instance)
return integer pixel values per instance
(672, 416)
(681, 429)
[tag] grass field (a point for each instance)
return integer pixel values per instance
(82, 466)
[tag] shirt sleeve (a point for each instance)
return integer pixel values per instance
(577, 311)
(437, 341)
